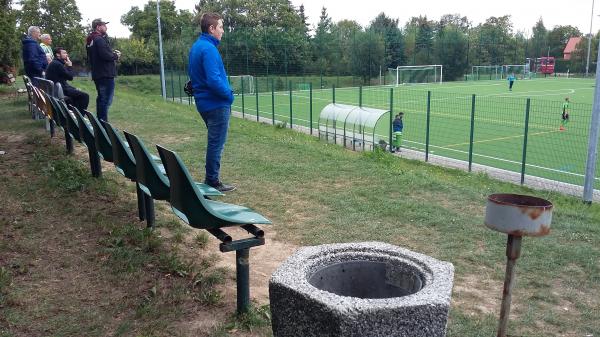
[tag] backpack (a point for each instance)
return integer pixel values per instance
(188, 88)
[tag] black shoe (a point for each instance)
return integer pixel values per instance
(219, 186)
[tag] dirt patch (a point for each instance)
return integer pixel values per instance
(59, 269)
(477, 295)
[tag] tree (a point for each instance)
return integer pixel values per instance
(262, 36)
(578, 59)
(29, 15)
(424, 38)
(558, 38)
(451, 51)
(9, 53)
(344, 34)
(495, 40)
(454, 20)
(304, 19)
(59, 18)
(539, 40)
(387, 28)
(322, 43)
(367, 55)
(138, 56)
(173, 22)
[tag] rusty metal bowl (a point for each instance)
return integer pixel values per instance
(519, 215)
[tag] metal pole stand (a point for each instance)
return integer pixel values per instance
(242, 260)
(513, 251)
(242, 277)
(517, 216)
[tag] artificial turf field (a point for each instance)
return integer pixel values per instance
(498, 127)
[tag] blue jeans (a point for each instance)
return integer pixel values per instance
(217, 122)
(106, 90)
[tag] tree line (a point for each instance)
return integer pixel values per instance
(266, 37)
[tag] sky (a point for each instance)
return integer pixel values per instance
(524, 14)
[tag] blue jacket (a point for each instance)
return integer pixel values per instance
(207, 73)
(34, 58)
(398, 125)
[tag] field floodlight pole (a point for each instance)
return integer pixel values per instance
(590, 170)
(587, 64)
(160, 48)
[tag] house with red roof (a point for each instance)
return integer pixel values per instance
(571, 47)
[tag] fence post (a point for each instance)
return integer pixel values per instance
(360, 96)
(427, 126)
(256, 92)
(310, 107)
(273, 101)
(172, 86)
(243, 105)
(291, 109)
(179, 81)
(472, 132)
(391, 113)
(523, 161)
(333, 94)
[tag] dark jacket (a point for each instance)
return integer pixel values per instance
(34, 58)
(101, 57)
(398, 125)
(207, 73)
(57, 72)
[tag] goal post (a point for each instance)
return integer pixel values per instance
(245, 82)
(520, 70)
(428, 73)
(489, 72)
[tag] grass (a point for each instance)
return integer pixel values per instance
(315, 192)
(499, 119)
(74, 260)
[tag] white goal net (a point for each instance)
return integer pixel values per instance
(492, 72)
(242, 83)
(430, 73)
(521, 71)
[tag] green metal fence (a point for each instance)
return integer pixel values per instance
(518, 137)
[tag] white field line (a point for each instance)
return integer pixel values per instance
(499, 159)
(501, 138)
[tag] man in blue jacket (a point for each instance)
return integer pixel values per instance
(34, 58)
(102, 59)
(212, 94)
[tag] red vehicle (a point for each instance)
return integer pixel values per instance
(545, 65)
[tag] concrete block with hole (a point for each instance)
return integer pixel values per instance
(360, 290)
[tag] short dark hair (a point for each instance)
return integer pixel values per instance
(209, 19)
(57, 50)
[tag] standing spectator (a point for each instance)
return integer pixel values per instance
(34, 58)
(212, 94)
(565, 114)
(102, 59)
(397, 127)
(60, 70)
(46, 45)
(511, 80)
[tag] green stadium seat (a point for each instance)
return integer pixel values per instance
(125, 165)
(103, 144)
(152, 179)
(86, 132)
(72, 125)
(189, 204)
